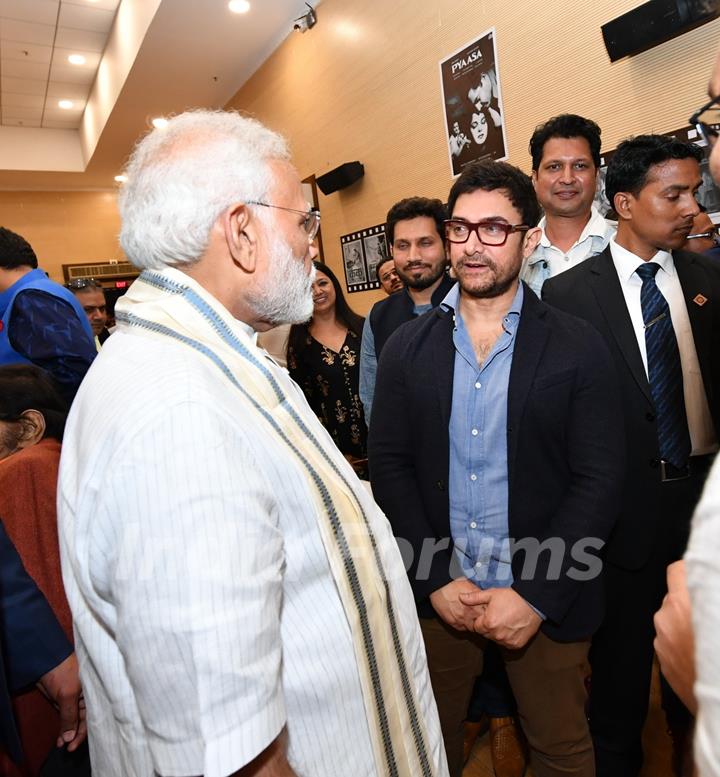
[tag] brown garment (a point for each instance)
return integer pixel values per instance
(28, 489)
(547, 680)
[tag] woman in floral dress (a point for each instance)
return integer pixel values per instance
(324, 359)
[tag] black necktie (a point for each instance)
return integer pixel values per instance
(664, 370)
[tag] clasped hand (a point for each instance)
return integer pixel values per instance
(500, 614)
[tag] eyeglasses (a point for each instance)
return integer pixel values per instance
(311, 222)
(82, 283)
(706, 129)
(489, 233)
(713, 233)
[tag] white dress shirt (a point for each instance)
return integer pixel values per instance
(206, 613)
(547, 260)
(700, 424)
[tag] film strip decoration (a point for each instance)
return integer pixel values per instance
(362, 251)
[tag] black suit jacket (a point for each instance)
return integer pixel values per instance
(592, 291)
(565, 454)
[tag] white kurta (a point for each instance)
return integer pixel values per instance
(206, 613)
(702, 561)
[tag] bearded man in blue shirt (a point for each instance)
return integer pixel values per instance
(496, 452)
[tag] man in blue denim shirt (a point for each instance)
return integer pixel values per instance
(497, 454)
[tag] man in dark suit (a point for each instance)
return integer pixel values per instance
(657, 310)
(414, 232)
(496, 453)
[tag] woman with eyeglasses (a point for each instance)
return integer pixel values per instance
(323, 357)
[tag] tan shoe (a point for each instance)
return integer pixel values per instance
(472, 731)
(507, 748)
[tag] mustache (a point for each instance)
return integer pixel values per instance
(475, 259)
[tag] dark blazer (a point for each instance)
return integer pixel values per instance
(565, 454)
(592, 291)
(31, 639)
(389, 313)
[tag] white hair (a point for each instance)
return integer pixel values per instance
(181, 177)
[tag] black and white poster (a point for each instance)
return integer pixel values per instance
(362, 251)
(472, 100)
(708, 195)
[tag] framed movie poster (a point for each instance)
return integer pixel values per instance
(708, 195)
(362, 251)
(472, 101)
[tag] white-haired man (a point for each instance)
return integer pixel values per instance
(239, 600)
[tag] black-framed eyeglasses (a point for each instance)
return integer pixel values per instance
(706, 129)
(311, 222)
(489, 233)
(77, 284)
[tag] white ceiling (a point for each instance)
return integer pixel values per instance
(144, 58)
(36, 38)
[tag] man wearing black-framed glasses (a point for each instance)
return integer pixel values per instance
(703, 239)
(497, 429)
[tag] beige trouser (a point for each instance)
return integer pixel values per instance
(548, 681)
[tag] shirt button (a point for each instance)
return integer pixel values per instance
(473, 477)
(478, 565)
(474, 432)
(478, 385)
(473, 525)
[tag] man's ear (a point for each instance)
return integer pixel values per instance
(533, 176)
(241, 231)
(532, 238)
(32, 428)
(623, 204)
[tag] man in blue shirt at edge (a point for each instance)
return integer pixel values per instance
(41, 322)
(414, 228)
(499, 425)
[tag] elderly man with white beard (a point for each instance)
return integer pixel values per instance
(240, 604)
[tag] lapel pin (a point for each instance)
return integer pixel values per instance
(700, 300)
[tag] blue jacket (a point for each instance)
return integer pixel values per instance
(38, 281)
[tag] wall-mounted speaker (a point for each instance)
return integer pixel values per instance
(653, 23)
(341, 177)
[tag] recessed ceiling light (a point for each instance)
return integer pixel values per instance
(159, 122)
(239, 6)
(76, 59)
(121, 178)
(65, 104)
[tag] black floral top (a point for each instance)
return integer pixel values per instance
(331, 382)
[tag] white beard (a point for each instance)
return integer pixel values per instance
(284, 295)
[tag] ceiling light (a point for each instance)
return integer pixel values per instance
(159, 122)
(65, 104)
(121, 178)
(76, 59)
(239, 6)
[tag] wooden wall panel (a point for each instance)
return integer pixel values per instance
(64, 227)
(364, 84)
